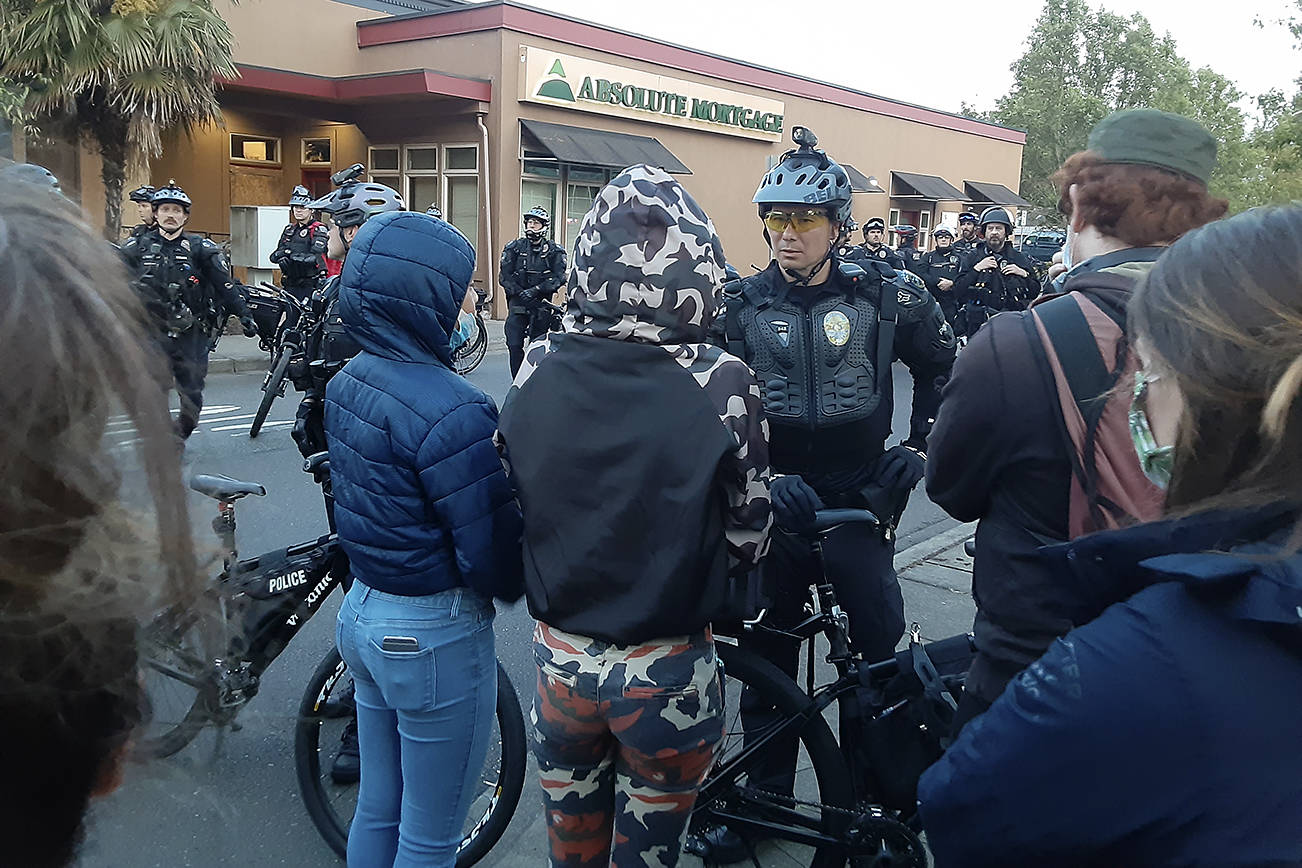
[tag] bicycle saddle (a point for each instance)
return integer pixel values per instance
(224, 488)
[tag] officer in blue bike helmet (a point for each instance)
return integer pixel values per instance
(821, 334)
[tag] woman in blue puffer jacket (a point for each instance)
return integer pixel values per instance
(1166, 731)
(432, 530)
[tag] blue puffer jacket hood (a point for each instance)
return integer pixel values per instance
(416, 270)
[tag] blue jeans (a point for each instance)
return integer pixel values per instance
(426, 679)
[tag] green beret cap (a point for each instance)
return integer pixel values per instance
(1148, 137)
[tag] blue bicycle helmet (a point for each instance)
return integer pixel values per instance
(806, 176)
(171, 193)
(300, 197)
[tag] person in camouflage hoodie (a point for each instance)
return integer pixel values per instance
(640, 457)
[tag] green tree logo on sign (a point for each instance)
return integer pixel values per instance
(555, 86)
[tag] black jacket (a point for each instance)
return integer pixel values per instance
(638, 449)
(883, 253)
(300, 253)
(836, 458)
(911, 257)
(940, 264)
(528, 266)
(993, 289)
(188, 267)
(997, 454)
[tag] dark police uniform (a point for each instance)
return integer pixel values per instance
(300, 255)
(982, 294)
(824, 372)
(140, 229)
(911, 257)
(526, 266)
(935, 266)
(326, 349)
(882, 253)
(188, 290)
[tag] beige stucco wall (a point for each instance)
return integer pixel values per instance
(317, 37)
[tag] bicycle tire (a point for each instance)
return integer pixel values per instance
(469, 356)
(487, 829)
(270, 391)
(831, 777)
(162, 635)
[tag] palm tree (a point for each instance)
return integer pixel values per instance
(122, 71)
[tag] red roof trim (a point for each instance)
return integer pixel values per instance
(412, 82)
(534, 22)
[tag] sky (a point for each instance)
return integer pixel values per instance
(882, 49)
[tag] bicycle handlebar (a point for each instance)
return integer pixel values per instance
(826, 519)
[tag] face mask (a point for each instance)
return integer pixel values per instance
(1157, 462)
(465, 328)
(1066, 248)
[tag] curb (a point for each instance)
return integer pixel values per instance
(919, 552)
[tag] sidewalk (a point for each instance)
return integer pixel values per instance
(936, 577)
(236, 354)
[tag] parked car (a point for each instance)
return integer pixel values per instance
(1041, 244)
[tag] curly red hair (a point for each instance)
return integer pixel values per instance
(1141, 206)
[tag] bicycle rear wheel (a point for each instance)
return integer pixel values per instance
(270, 391)
(321, 721)
(740, 794)
(177, 681)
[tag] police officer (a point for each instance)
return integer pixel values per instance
(532, 269)
(328, 348)
(939, 269)
(300, 252)
(821, 334)
(874, 246)
(969, 235)
(908, 251)
(188, 289)
(994, 277)
(141, 196)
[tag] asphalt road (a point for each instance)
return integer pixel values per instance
(234, 800)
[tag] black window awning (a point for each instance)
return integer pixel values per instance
(995, 194)
(598, 148)
(931, 187)
(859, 182)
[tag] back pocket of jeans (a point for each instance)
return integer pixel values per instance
(405, 678)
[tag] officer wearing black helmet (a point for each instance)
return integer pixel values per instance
(939, 270)
(969, 233)
(994, 277)
(141, 196)
(188, 289)
(874, 245)
(532, 269)
(821, 335)
(300, 252)
(329, 348)
(908, 251)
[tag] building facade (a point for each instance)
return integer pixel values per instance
(489, 109)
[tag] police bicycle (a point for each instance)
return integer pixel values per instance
(853, 802)
(252, 610)
(293, 323)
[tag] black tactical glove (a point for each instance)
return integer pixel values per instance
(250, 326)
(529, 296)
(794, 502)
(901, 468)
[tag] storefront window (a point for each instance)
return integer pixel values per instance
(462, 209)
(924, 228)
(422, 191)
(578, 201)
(539, 193)
(255, 149)
(542, 169)
(462, 158)
(422, 158)
(384, 159)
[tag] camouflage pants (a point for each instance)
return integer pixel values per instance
(624, 735)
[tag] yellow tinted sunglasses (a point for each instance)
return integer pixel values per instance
(801, 221)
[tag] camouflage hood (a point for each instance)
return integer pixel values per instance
(647, 263)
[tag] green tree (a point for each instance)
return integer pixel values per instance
(121, 72)
(1081, 64)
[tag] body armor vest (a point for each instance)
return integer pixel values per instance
(813, 364)
(337, 347)
(169, 273)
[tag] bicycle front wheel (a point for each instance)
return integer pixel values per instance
(270, 391)
(471, 353)
(326, 710)
(795, 810)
